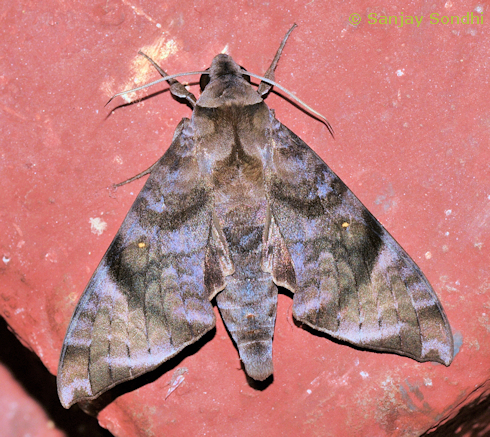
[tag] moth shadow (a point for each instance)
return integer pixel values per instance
(258, 385)
(94, 407)
(321, 334)
(328, 337)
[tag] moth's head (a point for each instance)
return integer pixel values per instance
(226, 83)
(223, 64)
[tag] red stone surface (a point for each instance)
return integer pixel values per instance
(21, 415)
(410, 108)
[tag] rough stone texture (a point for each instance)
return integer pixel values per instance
(21, 415)
(410, 109)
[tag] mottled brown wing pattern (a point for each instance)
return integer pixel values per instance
(351, 280)
(150, 297)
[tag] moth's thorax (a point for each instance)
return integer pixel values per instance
(231, 133)
(230, 124)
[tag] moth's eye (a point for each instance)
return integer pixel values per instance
(246, 77)
(204, 80)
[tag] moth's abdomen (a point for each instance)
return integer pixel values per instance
(248, 308)
(249, 300)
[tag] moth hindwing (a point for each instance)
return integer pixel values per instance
(237, 206)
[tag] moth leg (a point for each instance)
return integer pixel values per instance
(176, 88)
(264, 88)
(139, 175)
(177, 133)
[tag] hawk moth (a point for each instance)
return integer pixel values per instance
(237, 206)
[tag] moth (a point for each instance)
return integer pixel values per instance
(236, 207)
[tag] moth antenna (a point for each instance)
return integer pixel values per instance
(163, 79)
(263, 79)
(152, 62)
(264, 89)
(322, 118)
